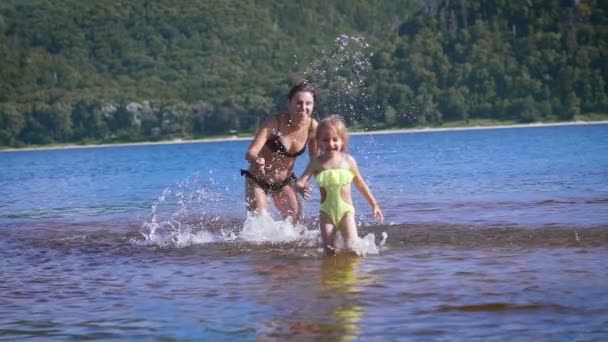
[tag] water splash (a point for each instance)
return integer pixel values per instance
(256, 229)
(180, 215)
(183, 216)
(186, 215)
(364, 246)
(340, 77)
(263, 228)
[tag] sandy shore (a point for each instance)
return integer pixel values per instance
(235, 138)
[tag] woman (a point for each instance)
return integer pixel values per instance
(272, 154)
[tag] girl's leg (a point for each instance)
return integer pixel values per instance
(287, 203)
(348, 228)
(328, 234)
(255, 198)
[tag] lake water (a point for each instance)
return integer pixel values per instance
(494, 234)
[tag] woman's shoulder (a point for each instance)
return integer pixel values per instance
(312, 131)
(314, 124)
(271, 121)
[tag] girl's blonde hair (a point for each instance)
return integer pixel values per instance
(336, 123)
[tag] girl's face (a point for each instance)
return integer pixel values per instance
(329, 140)
(301, 105)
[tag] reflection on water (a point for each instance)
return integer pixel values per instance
(311, 299)
(340, 281)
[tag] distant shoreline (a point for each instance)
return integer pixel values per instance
(470, 128)
(370, 132)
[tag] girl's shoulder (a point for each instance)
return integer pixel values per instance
(348, 158)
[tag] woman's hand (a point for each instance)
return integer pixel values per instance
(304, 189)
(260, 165)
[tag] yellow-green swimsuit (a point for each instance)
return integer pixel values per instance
(334, 206)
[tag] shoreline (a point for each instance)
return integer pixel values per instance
(473, 128)
(370, 132)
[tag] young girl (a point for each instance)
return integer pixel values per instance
(334, 171)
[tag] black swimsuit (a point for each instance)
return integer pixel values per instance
(269, 188)
(276, 146)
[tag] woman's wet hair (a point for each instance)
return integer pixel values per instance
(303, 86)
(336, 123)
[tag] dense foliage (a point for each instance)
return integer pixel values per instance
(522, 61)
(75, 71)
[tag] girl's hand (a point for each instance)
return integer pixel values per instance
(378, 213)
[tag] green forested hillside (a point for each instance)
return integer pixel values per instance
(76, 71)
(508, 60)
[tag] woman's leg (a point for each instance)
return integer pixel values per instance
(348, 229)
(286, 201)
(255, 198)
(328, 234)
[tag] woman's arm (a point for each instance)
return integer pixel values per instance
(302, 185)
(313, 148)
(364, 189)
(252, 155)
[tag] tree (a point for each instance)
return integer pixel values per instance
(12, 122)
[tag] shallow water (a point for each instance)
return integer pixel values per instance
(487, 240)
(428, 282)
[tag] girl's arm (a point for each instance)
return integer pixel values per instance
(365, 191)
(302, 185)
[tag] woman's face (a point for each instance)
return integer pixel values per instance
(301, 105)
